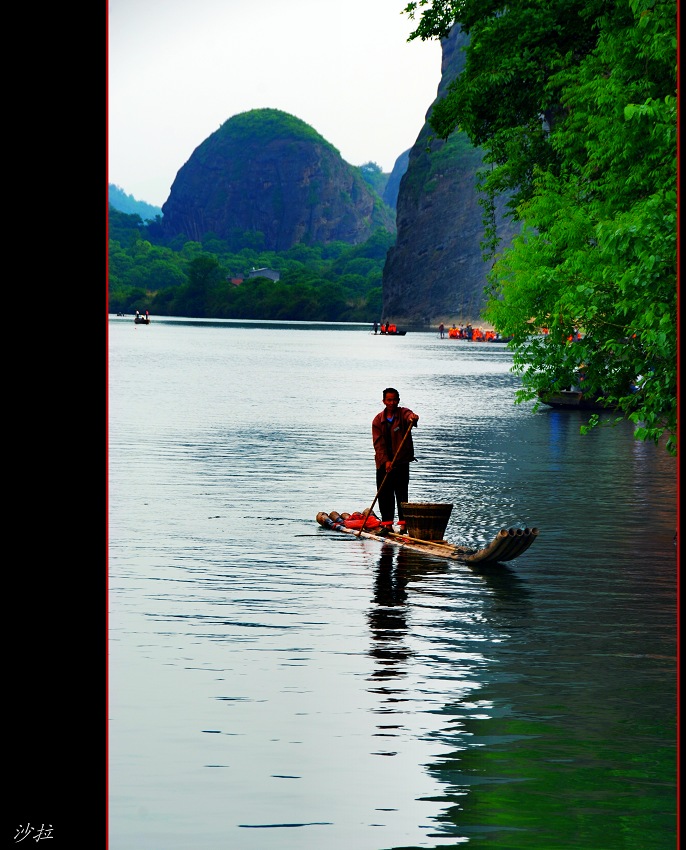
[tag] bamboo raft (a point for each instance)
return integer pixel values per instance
(509, 543)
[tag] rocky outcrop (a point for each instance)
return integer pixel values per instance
(390, 192)
(435, 272)
(267, 172)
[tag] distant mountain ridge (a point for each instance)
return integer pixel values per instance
(130, 205)
(269, 180)
(267, 172)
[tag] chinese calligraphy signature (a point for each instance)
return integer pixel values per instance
(37, 833)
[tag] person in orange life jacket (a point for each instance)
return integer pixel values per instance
(388, 429)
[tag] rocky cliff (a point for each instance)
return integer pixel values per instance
(390, 193)
(435, 271)
(267, 172)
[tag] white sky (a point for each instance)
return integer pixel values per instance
(178, 69)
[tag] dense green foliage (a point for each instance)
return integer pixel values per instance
(334, 282)
(574, 103)
(260, 126)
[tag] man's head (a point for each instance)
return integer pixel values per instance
(391, 398)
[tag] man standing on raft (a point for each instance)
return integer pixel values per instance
(389, 429)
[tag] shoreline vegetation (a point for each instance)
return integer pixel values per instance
(432, 328)
(337, 282)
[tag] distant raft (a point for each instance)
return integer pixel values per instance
(508, 543)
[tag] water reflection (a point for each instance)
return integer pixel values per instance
(388, 618)
(530, 705)
(510, 599)
(388, 625)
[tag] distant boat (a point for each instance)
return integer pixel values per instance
(571, 400)
(141, 320)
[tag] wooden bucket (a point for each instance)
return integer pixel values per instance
(426, 520)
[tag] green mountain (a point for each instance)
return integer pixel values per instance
(128, 204)
(269, 173)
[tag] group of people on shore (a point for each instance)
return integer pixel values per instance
(461, 332)
(468, 332)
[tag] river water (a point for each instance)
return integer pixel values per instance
(277, 686)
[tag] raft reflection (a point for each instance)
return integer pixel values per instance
(388, 617)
